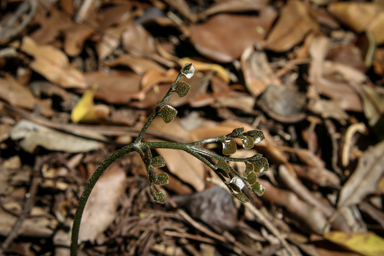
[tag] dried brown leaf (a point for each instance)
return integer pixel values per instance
(291, 28)
(53, 64)
(19, 95)
(138, 64)
(365, 178)
(117, 87)
(224, 37)
(137, 40)
(234, 6)
(361, 16)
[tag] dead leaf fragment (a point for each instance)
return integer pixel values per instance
(291, 28)
(365, 178)
(53, 64)
(100, 209)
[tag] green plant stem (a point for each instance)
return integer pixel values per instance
(87, 191)
(163, 102)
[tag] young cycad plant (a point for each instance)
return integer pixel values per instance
(235, 182)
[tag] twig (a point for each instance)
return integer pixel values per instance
(27, 208)
(88, 130)
(264, 221)
(8, 32)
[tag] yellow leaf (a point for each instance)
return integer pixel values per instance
(367, 243)
(86, 111)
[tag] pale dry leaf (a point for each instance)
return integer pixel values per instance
(34, 135)
(365, 178)
(328, 109)
(100, 210)
(53, 64)
(291, 28)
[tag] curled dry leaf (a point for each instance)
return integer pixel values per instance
(365, 178)
(100, 210)
(257, 72)
(283, 103)
(291, 28)
(330, 86)
(224, 37)
(53, 64)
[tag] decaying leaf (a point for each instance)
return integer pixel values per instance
(53, 64)
(365, 178)
(100, 210)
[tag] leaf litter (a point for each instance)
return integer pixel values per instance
(78, 81)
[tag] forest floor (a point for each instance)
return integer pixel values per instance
(78, 79)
